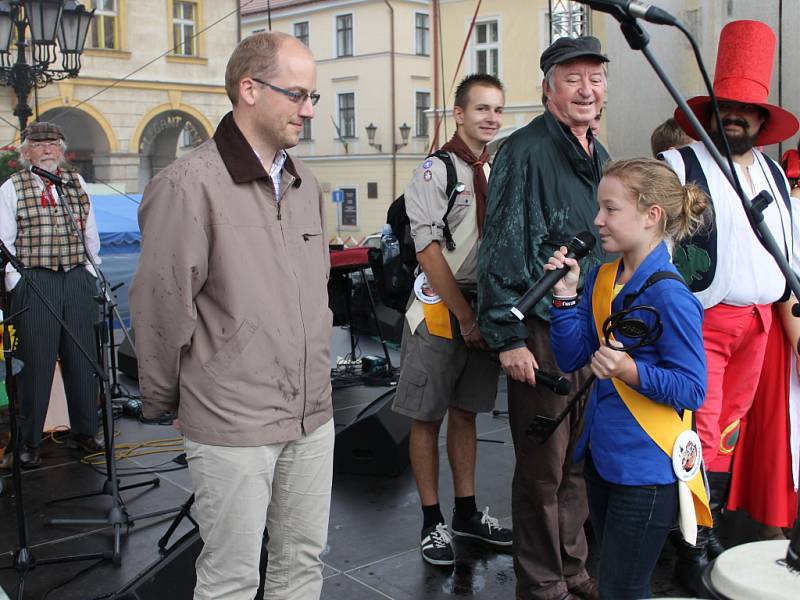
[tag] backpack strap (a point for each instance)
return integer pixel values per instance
(452, 180)
(652, 280)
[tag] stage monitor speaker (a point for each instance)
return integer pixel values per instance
(126, 358)
(376, 442)
(171, 578)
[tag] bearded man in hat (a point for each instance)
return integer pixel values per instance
(726, 266)
(541, 193)
(38, 230)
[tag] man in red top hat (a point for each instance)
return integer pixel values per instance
(726, 267)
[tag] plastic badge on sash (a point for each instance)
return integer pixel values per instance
(687, 458)
(437, 315)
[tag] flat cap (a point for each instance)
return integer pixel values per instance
(566, 48)
(41, 131)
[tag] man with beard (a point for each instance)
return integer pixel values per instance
(38, 230)
(726, 267)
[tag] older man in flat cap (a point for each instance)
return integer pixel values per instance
(541, 193)
(37, 229)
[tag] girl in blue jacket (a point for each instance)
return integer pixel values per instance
(638, 404)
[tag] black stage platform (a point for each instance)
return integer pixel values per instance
(373, 541)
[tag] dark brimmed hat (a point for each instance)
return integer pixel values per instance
(41, 131)
(566, 48)
(744, 69)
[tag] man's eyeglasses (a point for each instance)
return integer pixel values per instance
(45, 144)
(296, 97)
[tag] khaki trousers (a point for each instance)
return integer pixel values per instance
(239, 490)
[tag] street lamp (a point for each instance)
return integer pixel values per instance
(66, 21)
(405, 130)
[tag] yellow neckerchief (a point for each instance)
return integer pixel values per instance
(659, 421)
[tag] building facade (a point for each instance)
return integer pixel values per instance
(151, 86)
(384, 73)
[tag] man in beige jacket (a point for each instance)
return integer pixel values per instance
(233, 329)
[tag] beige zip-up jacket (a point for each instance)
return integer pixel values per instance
(229, 302)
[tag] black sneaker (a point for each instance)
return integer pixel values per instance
(436, 546)
(483, 527)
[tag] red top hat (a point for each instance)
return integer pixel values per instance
(744, 69)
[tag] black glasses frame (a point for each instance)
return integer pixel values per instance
(296, 97)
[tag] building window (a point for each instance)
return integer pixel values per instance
(301, 32)
(422, 31)
(344, 35)
(184, 28)
(487, 48)
(105, 25)
(568, 19)
(347, 115)
(423, 103)
(306, 133)
(259, 30)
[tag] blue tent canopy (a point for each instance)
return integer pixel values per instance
(117, 223)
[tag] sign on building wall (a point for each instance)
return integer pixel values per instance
(349, 208)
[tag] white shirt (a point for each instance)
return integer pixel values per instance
(8, 227)
(746, 273)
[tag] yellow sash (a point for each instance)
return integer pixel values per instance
(659, 421)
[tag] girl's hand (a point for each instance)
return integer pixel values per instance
(567, 285)
(608, 363)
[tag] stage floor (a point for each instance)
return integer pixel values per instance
(373, 540)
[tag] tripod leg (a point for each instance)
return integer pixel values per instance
(184, 512)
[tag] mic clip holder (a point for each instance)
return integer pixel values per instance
(542, 427)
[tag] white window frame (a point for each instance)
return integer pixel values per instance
(427, 40)
(182, 22)
(336, 35)
(114, 14)
(339, 95)
(416, 119)
(475, 47)
(308, 30)
(306, 124)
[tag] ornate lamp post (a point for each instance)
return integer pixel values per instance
(47, 21)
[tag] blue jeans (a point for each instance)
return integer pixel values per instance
(631, 524)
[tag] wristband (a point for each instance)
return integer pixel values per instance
(559, 303)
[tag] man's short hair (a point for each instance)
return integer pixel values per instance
(255, 55)
(462, 91)
(668, 135)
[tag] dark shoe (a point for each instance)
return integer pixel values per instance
(29, 457)
(692, 561)
(436, 546)
(483, 527)
(587, 590)
(87, 443)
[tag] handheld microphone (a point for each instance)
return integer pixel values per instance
(578, 247)
(555, 383)
(51, 177)
(623, 10)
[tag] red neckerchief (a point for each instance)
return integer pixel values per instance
(48, 199)
(459, 147)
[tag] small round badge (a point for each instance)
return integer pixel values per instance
(687, 455)
(427, 175)
(427, 164)
(423, 290)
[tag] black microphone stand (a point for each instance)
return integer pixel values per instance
(118, 514)
(24, 560)
(638, 39)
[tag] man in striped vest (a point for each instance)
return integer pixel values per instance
(35, 226)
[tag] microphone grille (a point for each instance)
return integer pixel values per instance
(582, 243)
